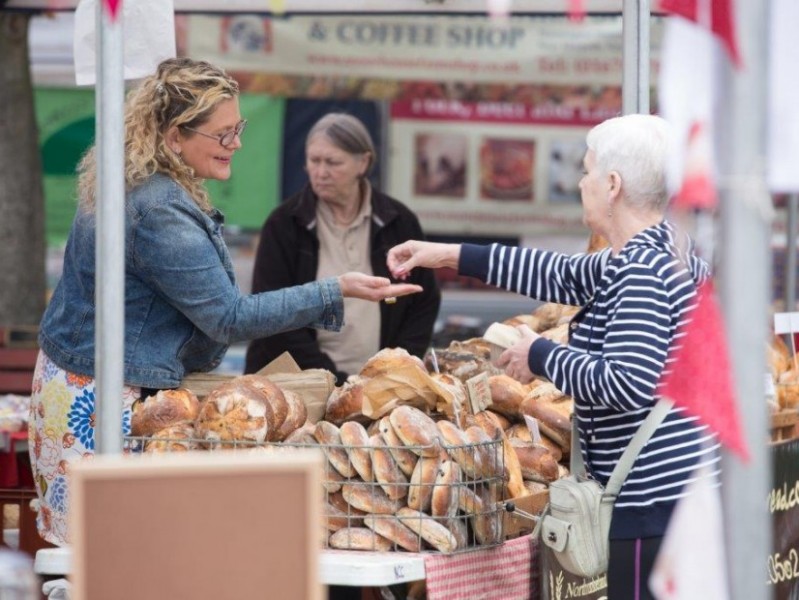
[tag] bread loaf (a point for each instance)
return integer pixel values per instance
(487, 526)
(416, 430)
(391, 528)
(346, 402)
(332, 479)
(468, 500)
(353, 515)
(513, 471)
(302, 436)
(277, 406)
(445, 495)
(423, 480)
(522, 433)
(329, 437)
(553, 410)
(406, 460)
(507, 395)
(295, 418)
(176, 438)
(164, 409)
(458, 528)
(489, 463)
(434, 533)
(359, 538)
(369, 498)
(233, 412)
(536, 462)
(387, 473)
(458, 447)
(356, 444)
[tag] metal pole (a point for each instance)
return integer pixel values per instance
(635, 75)
(745, 282)
(790, 253)
(110, 233)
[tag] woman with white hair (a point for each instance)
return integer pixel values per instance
(635, 296)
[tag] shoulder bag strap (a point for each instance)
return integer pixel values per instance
(641, 437)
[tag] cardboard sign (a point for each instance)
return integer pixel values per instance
(532, 425)
(479, 392)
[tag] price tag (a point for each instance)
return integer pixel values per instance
(532, 425)
(479, 392)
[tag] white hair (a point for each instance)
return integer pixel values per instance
(637, 148)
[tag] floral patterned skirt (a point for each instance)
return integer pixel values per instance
(61, 431)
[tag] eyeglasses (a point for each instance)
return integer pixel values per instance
(224, 139)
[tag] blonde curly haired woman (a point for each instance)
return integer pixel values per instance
(182, 305)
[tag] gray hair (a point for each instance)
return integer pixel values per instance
(346, 133)
(637, 148)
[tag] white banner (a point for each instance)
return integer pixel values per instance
(529, 50)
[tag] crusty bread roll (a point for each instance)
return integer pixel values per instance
(355, 515)
(489, 463)
(487, 525)
(164, 409)
(329, 437)
(302, 436)
(458, 528)
(536, 462)
(452, 398)
(332, 479)
(444, 502)
(423, 480)
(391, 528)
(416, 430)
(431, 531)
(295, 418)
(458, 446)
(513, 471)
(176, 438)
(531, 321)
(386, 472)
(359, 538)
(553, 410)
(356, 444)
(345, 402)
(277, 407)
(521, 432)
(468, 500)
(389, 359)
(370, 498)
(507, 395)
(233, 412)
(406, 460)
(334, 518)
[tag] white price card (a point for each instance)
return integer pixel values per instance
(786, 322)
(532, 425)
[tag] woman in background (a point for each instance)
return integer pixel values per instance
(339, 223)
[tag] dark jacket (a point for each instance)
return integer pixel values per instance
(288, 254)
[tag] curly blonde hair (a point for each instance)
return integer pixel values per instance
(183, 93)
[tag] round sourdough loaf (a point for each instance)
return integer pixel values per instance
(233, 412)
(176, 438)
(295, 418)
(164, 409)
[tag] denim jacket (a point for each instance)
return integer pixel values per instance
(182, 305)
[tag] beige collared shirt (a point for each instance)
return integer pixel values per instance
(342, 249)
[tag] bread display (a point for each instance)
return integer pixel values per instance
(423, 480)
(165, 409)
(536, 461)
(276, 404)
(296, 416)
(370, 499)
(444, 502)
(507, 395)
(329, 438)
(406, 460)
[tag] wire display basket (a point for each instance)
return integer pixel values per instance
(380, 497)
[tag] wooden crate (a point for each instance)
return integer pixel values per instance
(784, 425)
(18, 352)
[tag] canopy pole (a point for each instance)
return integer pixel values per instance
(745, 284)
(110, 232)
(790, 253)
(635, 72)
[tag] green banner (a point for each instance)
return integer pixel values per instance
(66, 129)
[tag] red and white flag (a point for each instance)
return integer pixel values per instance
(695, 39)
(691, 562)
(705, 388)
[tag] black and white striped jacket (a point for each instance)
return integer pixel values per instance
(635, 306)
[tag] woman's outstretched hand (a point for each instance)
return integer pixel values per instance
(514, 359)
(368, 287)
(404, 257)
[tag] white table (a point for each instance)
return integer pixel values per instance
(336, 567)
(369, 569)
